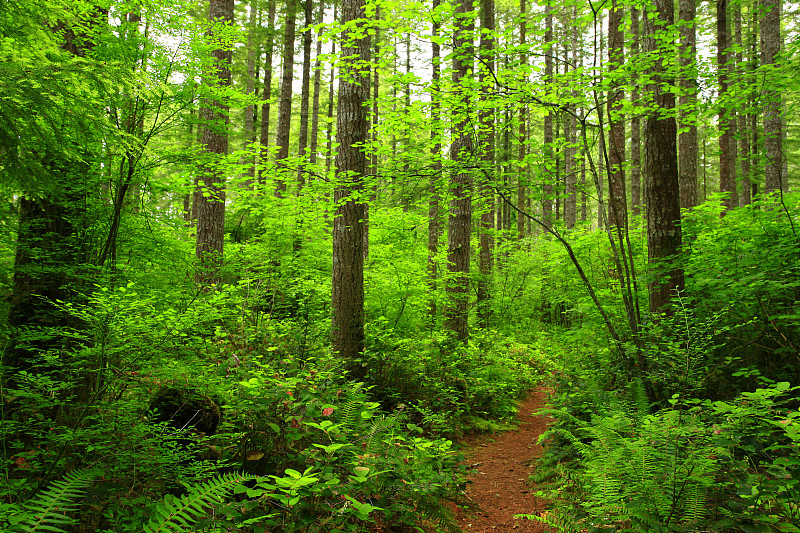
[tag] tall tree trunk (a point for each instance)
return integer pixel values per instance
(743, 125)
(601, 159)
(373, 164)
(636, 127)
(461, 150)
(214, 120)
(770, 25)
(285, 104)
(727, 124)
(687, 139)
(661, 155)
(305, 92)
(486, 149)
(434, 227)
(352, 131)
(312, 155)
(265, 107)
(571, 127)
(547, 201)
(755, 149)
(250, 77)
(329, 135)
(523, 114)
(618, 214)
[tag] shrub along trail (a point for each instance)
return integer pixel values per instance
(502, 464)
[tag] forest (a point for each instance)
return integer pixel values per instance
(264, 264)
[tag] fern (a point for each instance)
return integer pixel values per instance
(48, 510)
(178, 514)
(432, 511)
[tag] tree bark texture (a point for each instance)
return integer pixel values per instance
(663, 192)
(687, 139)
(770, 25)
(523, 113)
(636, 126)
(285, 104)
(305, 93)
(265, 107)
(312, 156)
(743, 123)
(461, 151)
(727, 123)
(547, 186)
(352, 131)
(434, 226)
(486, 149)
(571, 131)
(214, 120)
(618, 214)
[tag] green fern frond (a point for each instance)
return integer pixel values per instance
(48, 509)
(435, 513)
(178, 514)
(560, 521)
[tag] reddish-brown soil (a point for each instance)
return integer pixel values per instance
(502, 463)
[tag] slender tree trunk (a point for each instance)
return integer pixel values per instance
(770, 25)
(755, 149)
(214, 120)
(727, 181)
(312, 155)
(571, 126)
(305, 93)
(743, 125)
(547, 201)
(601, 166)
(329, 135)
(687, 139)
(265, 107)
(250, 79)
(523, 113)
(636, 127)
(618, 214)
(486, 149)
(434, 227)
(458, 248)
(663, 191)
(352, 131)
(285, 104)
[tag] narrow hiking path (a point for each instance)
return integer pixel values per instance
(502, 463)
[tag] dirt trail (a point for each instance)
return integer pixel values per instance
(502, 464)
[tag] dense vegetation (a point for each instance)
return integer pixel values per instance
(211, 322)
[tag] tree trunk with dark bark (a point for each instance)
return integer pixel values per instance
(265, 107)
(618, 214)
(663, 192)
(727, 124)
(214, 120)
(547, 202)
(770, 25)
(434, 226)
(285, 104)
(352, 131)
(636, 127)
(461, 151)
(687, 139)
(486, 150)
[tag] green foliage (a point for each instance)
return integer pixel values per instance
(48, 510)
(179, 514)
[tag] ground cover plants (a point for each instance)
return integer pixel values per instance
(294, 445)
(717, 448)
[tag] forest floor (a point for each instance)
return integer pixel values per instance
(502, 463)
